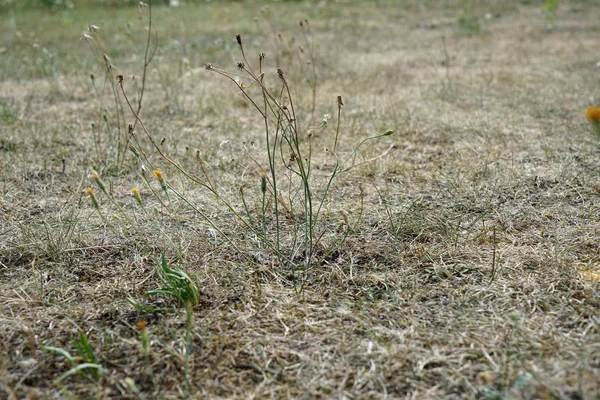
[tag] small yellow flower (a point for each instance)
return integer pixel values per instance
(593, 114)
(90, 191)
(136, 195)
(161, 179)
(96, 178)
(141, 325)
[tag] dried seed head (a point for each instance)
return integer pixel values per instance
(280, 73)
(263, 182)
(120, 78)
(197, 153)
(261, 56)
(284, 103)
(134, 151)
(208, 66)
(162, 141)
(238, 37)
(240, 66)
(93, 28)
(340, 103)
(106, 61)
(345, 217)
(130, 129)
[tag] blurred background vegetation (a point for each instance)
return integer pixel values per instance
(70, 4)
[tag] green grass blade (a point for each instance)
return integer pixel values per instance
(62, 352)
(98, 370)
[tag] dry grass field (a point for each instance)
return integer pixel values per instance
(457, 258)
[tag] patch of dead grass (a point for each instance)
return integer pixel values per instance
(493, 168)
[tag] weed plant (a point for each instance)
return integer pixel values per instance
(86, 364)
(283, 212)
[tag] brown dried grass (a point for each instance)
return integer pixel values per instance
(494, 166)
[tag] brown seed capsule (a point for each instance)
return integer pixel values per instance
(238, 37)
(107, 62)
(339, 101)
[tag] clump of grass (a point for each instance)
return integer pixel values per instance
(467, 20)
(550, 11)
(176, 284)
(8, 114)
(85, 365)
(6, 145)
